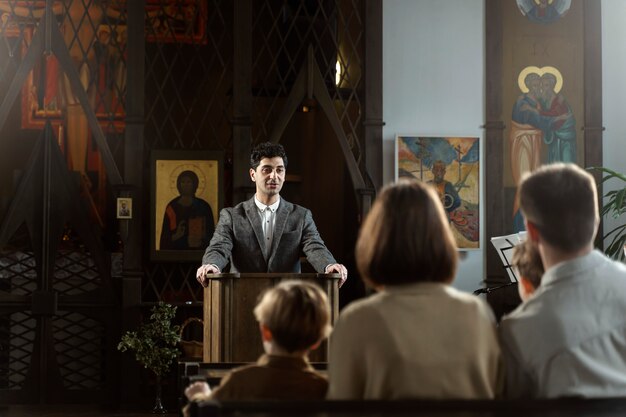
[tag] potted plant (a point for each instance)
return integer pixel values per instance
(614, 205)
(155, 345)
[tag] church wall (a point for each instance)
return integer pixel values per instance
(433, 84)
(613, 90)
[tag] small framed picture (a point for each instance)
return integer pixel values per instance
(186, 199)
(124, 208)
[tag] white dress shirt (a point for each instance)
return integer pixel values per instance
(268, 220)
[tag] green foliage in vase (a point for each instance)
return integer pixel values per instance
(155, 343)
(614, 205)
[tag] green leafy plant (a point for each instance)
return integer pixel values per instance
(155, 343)
(614, 205)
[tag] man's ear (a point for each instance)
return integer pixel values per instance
(533, 232)
(526, 284)
(266, 333)
(252, 175)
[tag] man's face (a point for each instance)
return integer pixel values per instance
(547, 86)
(269, 176)
(439, 172)
(186, 186)
(534, 86)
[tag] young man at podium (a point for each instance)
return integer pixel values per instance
(266, 233)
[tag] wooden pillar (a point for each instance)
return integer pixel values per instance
(242, 98)
(373, 102)
(494, 139)
(131, 231)
(592, 129)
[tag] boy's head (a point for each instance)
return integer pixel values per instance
(296, 313)
(528, 262)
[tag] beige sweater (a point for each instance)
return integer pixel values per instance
(424, 340)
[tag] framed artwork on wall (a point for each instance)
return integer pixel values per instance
(124, 208)
(452, 166)
(543, 104)
(186, 198)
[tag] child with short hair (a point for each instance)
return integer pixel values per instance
(528, 262)
(294, 318)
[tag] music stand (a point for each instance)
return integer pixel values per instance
(504, 246)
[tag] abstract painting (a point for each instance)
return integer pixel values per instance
(452, 166)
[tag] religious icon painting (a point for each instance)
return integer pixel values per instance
(542, 128)
(452, 166)
(186, 198)
(124, 208)
(544, 11)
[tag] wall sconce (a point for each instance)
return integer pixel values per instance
(338, 73)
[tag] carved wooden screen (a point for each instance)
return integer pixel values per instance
(197, 97)
(282, 31)
(62, 83)
(282, 34)
(188, 93)
(141, 76)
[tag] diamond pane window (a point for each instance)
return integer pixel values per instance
(188, 99)
(80, 343)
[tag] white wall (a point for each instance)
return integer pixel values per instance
(433, 84)
(614, 89)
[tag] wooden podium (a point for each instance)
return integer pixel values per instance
(231, 332)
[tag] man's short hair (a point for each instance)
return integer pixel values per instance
(528, 262)
(267, 150)
(561, 201)
(296, 312)
(406, 237)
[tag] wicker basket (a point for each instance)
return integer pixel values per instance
(191, 348)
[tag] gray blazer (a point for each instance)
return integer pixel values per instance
(238, 239)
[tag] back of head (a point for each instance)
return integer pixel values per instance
(296, 312)
(406, 237)
(561, 201)
(528, 261)
(267, 150)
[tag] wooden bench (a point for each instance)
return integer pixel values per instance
(563, 407)
(213, 372)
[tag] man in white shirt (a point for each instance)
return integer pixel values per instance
(569, 338)
(267, 233)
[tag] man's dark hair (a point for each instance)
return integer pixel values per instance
(267, 150)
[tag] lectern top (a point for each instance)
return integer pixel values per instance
(274, 275)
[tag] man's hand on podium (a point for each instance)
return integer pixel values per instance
(340, 269)
(203, 271)
(201, 274)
